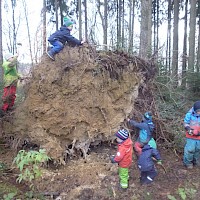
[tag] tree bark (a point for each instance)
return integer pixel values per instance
(184, 58)
(175, 44)
(44, 27)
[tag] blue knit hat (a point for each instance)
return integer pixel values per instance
(148, 116)
(122, 134)
(68, 22)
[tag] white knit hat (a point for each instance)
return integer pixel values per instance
(8, 56)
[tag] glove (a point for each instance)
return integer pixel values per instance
(159, 162)
(187, 128)
(112, 159)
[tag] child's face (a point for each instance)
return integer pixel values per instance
(70, 27)
(198, 112)
(11, 59)
(119, 140)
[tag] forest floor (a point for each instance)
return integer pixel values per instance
(96, 178)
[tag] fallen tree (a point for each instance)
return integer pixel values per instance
(79, 100)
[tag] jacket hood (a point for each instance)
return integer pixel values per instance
(146, 147)
(127, 142)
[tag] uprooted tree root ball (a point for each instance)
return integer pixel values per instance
(79, 100)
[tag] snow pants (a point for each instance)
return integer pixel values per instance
(123, 177)
(191, 152)
(57, 47)
(9, 96)
(147, 177)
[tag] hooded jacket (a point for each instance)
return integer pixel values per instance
(146, 129)
(192, 119)
(145, 161)
(10, 73)
(63, 35)
(124, 153)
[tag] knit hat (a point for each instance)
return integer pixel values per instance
(68, 22)
(148, 116)
(196, 106)
(8, 56)
(122, 134)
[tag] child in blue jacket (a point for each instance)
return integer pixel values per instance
(60, 37)
(192, 147)
(146, 164)
(146, 128)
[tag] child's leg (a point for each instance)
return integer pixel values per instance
(143, 177)
(5, 98)
(57, 47)
(197, 153)
(123, 177)
(150, 175)
(189, 151)
(13, 90)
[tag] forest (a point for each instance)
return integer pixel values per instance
(138, 56)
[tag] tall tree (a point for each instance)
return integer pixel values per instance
(198, 51)
(1, 49)
(184, 61)
(44, 27)
(105, 27)
(131, 24)
(86, 24)
(80, 19)
(145, 28)
(169, 26)
(192, 26)
(175, 44)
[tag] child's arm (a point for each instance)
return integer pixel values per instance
(118, 157)
(139, 125)
(156, 155)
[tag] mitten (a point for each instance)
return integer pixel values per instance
(187, 128)
(159, 162)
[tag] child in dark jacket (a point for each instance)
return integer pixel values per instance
(60, 37)
(123, 156)
(146, 164)
(146, 128)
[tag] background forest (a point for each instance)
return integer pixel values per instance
(166, 32)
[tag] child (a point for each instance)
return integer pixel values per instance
(192, 147)
(123, 156)
(146, 164)
(145, 134)
(60, 37)
(10, 82)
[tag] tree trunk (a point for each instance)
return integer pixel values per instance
(86, 25)
(44, 27)
(192, 26)
(1, 49)
(145, 28)
(198, 51)
(56, 7)
(123, 24)
(131, 25)
(175, 44)
(80, 19)
(28, 29)
(105, 27)
(184, 58)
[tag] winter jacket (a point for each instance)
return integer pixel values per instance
(124, 153)
(63, 35)
(145, 161)
(10, 73)
(146, 129)
(192, 119)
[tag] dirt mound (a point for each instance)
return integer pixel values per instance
(79, 100)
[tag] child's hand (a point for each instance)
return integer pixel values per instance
(112, 159)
